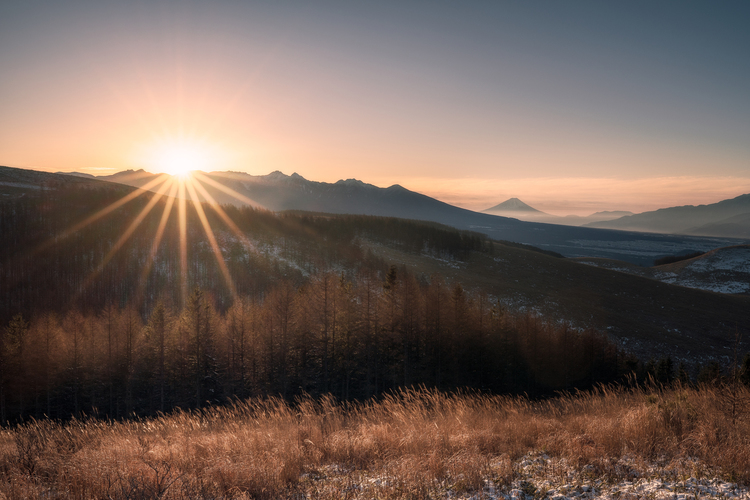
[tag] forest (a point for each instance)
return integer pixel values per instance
(352, 339)
(98, 324)
(105, 317)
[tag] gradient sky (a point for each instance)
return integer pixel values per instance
(572, 106)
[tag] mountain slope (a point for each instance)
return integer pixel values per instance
(279, 192)
(647, 317)
(699, 220)
(738, 226)
(609, 215)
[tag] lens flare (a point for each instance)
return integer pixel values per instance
(178, 157)
(187, 189)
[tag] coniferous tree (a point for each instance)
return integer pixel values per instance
(745, 370)
(156, 351)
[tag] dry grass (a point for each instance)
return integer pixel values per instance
(409, 445)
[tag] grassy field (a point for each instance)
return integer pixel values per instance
(414, 444)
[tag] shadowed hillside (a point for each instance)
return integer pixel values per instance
(643, 315)
(279, 192)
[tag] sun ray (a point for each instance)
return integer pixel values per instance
(157, 240)
(220, 211)
(104, 211)
(212, 239)
(126, 234)
(227, 190)
(182, 210)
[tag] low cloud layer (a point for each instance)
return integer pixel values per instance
(583, 196)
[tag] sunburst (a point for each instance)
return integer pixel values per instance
(179, 158)
(180, 183)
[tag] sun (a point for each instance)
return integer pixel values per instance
(179, 159)
(180, 155)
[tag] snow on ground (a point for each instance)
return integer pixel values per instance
(735, 259)
(711, 285)
(724, 270)
(645, 248)
(536, 475)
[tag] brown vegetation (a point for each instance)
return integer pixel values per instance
(412, 444)
(353, 338)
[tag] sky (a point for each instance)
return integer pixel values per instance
(572, 106)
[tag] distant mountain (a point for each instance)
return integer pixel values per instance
(279, 192)
(738, 226)
(514, 206)
(727, 219)
(577, 220)
(137, 178)
(517, 209)
(609, 214)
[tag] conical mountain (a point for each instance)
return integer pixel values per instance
(513, 205)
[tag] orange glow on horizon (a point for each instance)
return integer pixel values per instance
(179, 157)
(177, 189)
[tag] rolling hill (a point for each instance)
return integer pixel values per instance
(723, 270)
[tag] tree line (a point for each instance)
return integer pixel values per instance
(350, 335)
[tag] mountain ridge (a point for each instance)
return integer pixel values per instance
(699, 220)
(279, 192)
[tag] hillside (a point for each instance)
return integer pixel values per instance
(724, 270)
(135, 302)
(647, 317)
(643, 315)
(17, 182)
(727, 218)
(279, 192)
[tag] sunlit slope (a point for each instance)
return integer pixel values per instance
(724, 270)
(278, 192)
(647, 317)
